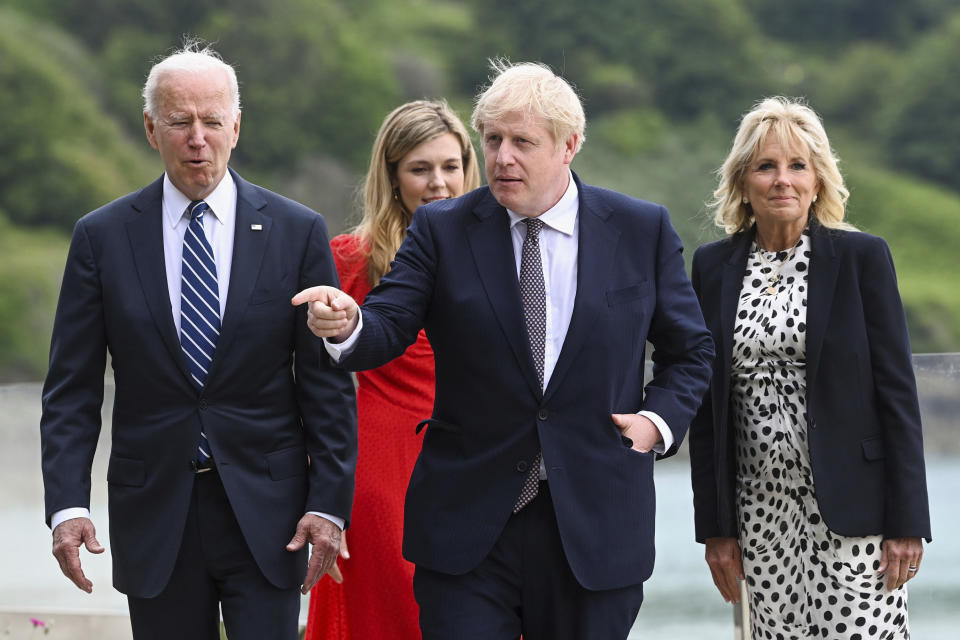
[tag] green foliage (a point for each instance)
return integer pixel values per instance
(60, 154)
(312, 84)
(920, 121)
(837, 23)
(29, 284)
(921, 223)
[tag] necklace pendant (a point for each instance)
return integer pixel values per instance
(770, 290)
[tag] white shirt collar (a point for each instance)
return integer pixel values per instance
(561, 216)
(219, 200)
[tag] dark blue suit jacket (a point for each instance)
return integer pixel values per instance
(863, 418)
(455, 275)
(269, 402)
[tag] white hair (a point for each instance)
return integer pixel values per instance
(194, 57)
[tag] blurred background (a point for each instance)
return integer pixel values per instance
(663, 81)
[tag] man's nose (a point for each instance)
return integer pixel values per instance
(196, 137)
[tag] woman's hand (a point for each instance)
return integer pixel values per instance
(723, 556)
(900, 560)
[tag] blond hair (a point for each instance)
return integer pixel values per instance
(385, 219)
(531, 88)
(795, 125)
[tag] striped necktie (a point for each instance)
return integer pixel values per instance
(199, 305)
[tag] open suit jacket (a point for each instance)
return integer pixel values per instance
(863, 418)
(269, 401)
(455, 274)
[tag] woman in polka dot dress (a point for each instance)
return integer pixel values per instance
(807, 454)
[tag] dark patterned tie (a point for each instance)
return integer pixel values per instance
(199, 305)
(534, 295)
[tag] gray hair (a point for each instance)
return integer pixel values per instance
(194, 57)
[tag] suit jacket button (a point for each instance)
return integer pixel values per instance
(542, 414)
(522, 466)
(812, 423)
(203, 404)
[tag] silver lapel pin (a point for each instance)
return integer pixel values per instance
(256, 227)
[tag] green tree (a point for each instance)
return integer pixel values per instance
(61, 155)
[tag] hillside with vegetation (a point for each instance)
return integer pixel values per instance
(663, 82)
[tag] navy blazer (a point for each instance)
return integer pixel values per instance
(863, 417)
(268, 404)
(455, 274)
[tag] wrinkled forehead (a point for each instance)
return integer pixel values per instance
(207, 90)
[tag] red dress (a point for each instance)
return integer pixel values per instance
(376, 597)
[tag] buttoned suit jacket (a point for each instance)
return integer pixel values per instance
(861, 408)
(455, 274)
(268, 405)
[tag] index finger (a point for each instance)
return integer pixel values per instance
(308, 295)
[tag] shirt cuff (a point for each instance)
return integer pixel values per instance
(339, 349)
(326, 516)
(665, 432)
(68, 514)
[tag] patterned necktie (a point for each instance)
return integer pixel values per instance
(199, 305)
(534, 296)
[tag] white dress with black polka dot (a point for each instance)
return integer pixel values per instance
(803, 580)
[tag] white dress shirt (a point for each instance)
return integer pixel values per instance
(219, 229)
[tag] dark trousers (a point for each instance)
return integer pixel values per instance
(524, 586)
(215, 569)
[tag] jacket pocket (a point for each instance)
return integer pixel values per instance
(287, 463)
(873, 448)
(126, 472)
(437, 425)
(627, 294)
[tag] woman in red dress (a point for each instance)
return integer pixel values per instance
(422, 153)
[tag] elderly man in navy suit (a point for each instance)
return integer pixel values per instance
(233, 443)
(531, 507)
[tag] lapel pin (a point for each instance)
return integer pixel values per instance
(256, 227)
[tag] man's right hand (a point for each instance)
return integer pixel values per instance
(331, 313)
(67, 538)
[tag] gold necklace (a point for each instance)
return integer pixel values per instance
(774, 276)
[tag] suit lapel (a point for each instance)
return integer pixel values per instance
(824, 267)
(248, 250)
(492, 248)
(597, 246)
(145, 231)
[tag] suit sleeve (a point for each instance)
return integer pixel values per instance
(396, 310)
(683, 348)
(325, 395)
(73, 389)
(703, 471)
(895, 390)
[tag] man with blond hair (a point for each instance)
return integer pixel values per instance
(531, 507)
(233, 443)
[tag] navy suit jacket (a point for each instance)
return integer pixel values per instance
(862, 413)
(269, 402)
(455, 274)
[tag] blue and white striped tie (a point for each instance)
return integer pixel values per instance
(199, 305)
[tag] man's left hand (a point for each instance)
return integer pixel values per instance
(640, 429)
(325, 538)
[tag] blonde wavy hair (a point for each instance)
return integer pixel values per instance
(795, 126)
(385, 219)
(533, 89)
